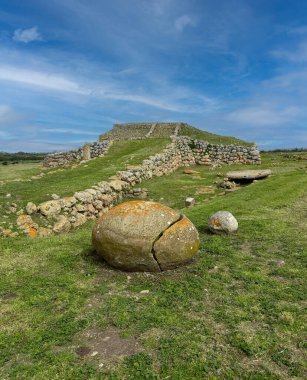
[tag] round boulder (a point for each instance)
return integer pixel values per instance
(222, 222)
(145, 236)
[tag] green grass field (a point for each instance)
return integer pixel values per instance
(212, 138)
(65, 182)
(237, 312)
(21, 171)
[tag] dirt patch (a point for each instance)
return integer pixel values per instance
(83, 351)
(246, 248)
(105, 346)
(8, 296)
(94, 302)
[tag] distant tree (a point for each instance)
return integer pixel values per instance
(21, 156)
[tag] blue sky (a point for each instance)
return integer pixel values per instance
(69, 69)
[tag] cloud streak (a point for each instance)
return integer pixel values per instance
(184, 21)
(27, 35)
(39, 79)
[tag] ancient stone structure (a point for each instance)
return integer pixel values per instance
(135, 131)
(191, 151)
(59, 215)
(145, 236)
(87, 152)
(182, 151)
(202, 153)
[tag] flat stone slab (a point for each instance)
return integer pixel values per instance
(190, 171)
(248, 174)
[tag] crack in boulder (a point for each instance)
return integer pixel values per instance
(145, 236)
(159, 237)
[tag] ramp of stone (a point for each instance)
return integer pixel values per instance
(164, 130)
(129, 131)
(133, 131)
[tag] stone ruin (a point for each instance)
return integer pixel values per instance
(60, 215)
(85, 153)
(139, 131)
(192, 151)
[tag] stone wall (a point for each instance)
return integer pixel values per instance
(87, 152)
(202, 153)
(60, 215)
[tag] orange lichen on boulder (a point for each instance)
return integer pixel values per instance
(32, 232)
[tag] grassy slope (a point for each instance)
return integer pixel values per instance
(236, 313)
(22, 170)
(66, 181)
(211, 137)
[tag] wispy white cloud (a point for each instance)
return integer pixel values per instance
(165, 96)
(69, 131)
(39, 79)
(27, 35)
(264, 115)
(298, 30)
(298, 54)
(8, 115)
(292, 79)
(184, 21)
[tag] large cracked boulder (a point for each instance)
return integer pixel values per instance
(145, 236)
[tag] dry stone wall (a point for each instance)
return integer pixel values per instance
(60, 215)
(87, 152)
(203, 153)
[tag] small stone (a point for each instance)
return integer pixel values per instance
(44, 232)
(55, 196)
(190, 171)
(146, 291)
(280, 263)
(31, 208)
(8, 195)
(79, 219)
(68, 201)
(222, 222)
(6, 232)
(189, 202)
(32, 232)
(50, 208)
(62, 225)
(84, 197)
(91, 209)
(13, 234)
(25, 221)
